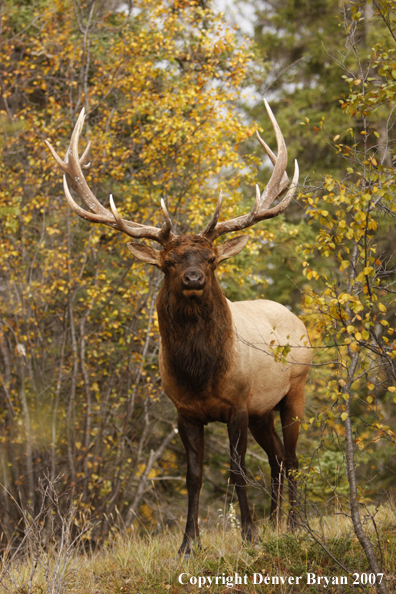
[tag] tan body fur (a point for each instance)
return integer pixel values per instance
(255, 381)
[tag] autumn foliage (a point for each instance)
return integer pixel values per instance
(81, 394)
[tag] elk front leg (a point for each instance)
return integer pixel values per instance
(237, 432)
(192, 435)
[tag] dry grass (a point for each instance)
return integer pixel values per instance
(148, 564)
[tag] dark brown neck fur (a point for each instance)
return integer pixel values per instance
(196, 336)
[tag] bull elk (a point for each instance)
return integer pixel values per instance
(216, 357)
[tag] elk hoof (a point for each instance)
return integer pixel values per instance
(188, 549)
(184, 554)
(250, 536)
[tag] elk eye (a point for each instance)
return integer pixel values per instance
(168, 263)
(211, 260)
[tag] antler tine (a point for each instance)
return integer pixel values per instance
(272, 189)
(75, 172)
(166, 230)
(133, 229)
(215, 217)
(117, 216)
(73, 205)
(273, 212)
(275, 187)
(57, 158)
(85, 155)
(85, 214)
(285, 180)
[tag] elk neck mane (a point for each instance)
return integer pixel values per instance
(197, 336)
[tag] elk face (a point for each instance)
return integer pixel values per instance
(189, 262)
(188, 266)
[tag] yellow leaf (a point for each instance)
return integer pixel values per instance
(344, 416)
(344, 265)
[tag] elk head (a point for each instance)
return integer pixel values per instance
(187, 260)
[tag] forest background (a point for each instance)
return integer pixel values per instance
(173, 93)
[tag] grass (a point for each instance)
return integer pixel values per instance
(149, 564)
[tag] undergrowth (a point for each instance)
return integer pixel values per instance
(148, 564)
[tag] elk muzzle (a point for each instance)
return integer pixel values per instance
(193, 282)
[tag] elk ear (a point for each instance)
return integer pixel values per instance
(231, 247)
(145, 253)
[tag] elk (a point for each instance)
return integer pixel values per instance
(217, 358)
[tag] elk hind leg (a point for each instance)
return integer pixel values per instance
(265, 434)
(237, 432)
(291, 412)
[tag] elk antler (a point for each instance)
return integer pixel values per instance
(276, 186)
(72, 167)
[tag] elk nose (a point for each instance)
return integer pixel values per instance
(193, 279)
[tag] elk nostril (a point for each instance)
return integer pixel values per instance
(193, 277)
